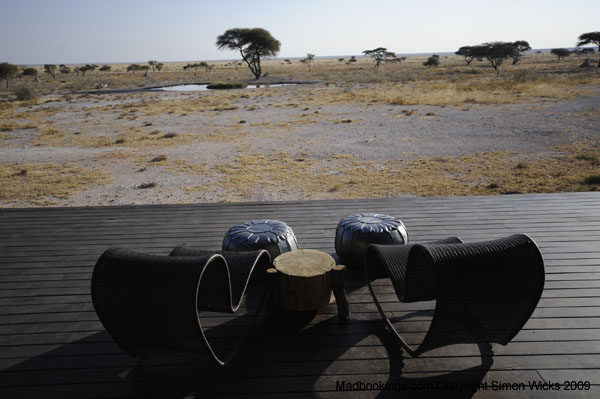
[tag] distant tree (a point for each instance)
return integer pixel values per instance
(287, 61)
(341, 59)
(105, 68)
(520, 47)
(8, 71)
(86, 68)
(159, 66)
(29, 72)
(589, 38)
(50, 69)
(432, 61)
(253, 44)
(583, 51)
(152, 64)
(494, 52)
(379, 54)
(206, 66)
(145, 67)
(351, 60)
(65, 70)
(467, 52)
(308, 60)
(134, 68)
(396, 60)
(560, 53)
(194, 66)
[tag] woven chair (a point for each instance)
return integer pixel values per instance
(485, 291)
(150, 305)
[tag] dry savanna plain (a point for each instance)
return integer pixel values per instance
(348, 131)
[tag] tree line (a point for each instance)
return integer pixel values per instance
(497, 52)
(254, 44)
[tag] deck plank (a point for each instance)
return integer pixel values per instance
(52, 344)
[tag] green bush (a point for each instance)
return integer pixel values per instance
(226, 85)
(25, 94)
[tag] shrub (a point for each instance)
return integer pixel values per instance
(147, 185)
(25, 94)
(432, 61)
(524, 76)
(593, 158)
(593, 179)
(226, 85)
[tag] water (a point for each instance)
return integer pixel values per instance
(191, 87)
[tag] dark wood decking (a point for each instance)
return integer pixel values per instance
(52, 344)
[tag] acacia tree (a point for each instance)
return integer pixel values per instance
(86, 68)
(308, 60)
(133, 68)
(379, 54)
(494, 52)
(588, 38)
(520, 46)
(50, 69)
(252, 43)
(31, 72)
(105, 68)
(7, 71)
(560, 53)
(65, 70)
(467, 52)
(583, 51)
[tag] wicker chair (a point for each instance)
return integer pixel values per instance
(485, 291)
(151, 304)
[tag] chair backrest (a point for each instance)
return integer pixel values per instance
(410, 283)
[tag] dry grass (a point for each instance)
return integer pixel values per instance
(39, 183)
(482, 173)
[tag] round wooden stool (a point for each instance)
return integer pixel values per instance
(306, 280)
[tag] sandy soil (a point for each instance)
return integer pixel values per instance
(278, 130)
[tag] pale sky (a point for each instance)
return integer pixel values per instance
(103, 31)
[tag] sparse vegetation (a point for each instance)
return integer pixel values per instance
(40, 183)
(126, 127)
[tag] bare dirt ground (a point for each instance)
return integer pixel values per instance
(324, 140)
(273, 144)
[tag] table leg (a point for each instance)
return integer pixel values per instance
(337, 284)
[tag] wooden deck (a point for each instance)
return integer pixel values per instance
(52, 344)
